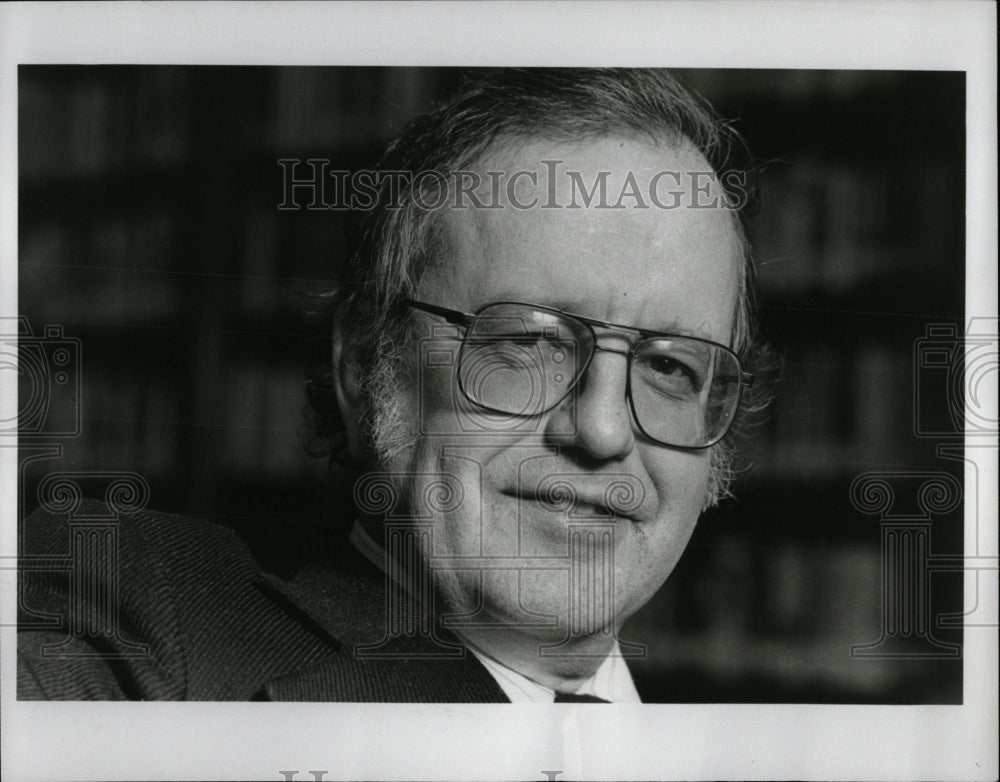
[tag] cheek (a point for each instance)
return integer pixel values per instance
(449, 493)
(433, 384)
(442, 408)
(681, 480)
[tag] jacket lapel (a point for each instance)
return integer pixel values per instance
(373, 659)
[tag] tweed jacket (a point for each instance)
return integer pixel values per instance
(186, 613)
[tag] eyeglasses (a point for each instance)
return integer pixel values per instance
(524, 359)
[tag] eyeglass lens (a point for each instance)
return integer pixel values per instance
(523, 361)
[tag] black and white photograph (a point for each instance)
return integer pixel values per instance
(587, 407)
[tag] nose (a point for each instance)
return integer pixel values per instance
(595, 417)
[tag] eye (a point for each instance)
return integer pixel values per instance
(670, 374)
(668, 366)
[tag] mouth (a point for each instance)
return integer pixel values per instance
(582, 508)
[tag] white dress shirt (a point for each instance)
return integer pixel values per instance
(611, 681)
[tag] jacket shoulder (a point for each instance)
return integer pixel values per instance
(147, 605)
(144, 533)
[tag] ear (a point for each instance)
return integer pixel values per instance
(347, 387)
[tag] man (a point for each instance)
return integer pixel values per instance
(535, 360)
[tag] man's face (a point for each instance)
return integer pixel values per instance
(671, 270)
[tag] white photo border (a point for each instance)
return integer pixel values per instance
(407, 741)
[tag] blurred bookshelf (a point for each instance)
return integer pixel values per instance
(149, 229)
(860, 243)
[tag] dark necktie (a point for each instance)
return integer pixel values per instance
(569, 697)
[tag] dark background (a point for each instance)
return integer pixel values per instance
(149, 231)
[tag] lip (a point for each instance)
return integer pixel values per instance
(583, 506)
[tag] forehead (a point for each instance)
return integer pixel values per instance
(655, 246)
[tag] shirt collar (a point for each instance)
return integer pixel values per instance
(611, 681)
